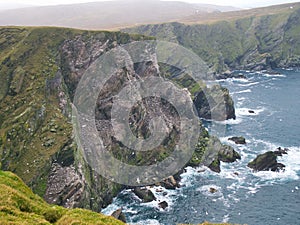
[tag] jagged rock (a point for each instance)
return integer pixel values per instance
(214, 103)
(201, 170)
(266, 162)
(271, 72)
(118, 214)
(213, 190)
(228, 154)
(238, 140)
(280, 151)
(65, 186)
(229, 74)
(144, 194)
(218, 152)
(170, 183)
(163, 205)
(215, 166)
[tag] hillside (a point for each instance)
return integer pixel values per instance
(18, 205)
(257, 39)
(36, 133)
(40, 70)
(106, 15)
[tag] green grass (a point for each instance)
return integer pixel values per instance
(19, 205)
(33, 128)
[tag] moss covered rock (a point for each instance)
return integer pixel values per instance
(266, 162)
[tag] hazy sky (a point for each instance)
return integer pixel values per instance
(237, 3)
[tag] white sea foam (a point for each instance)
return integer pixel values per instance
(273, 75)
(291, 161)
(147, 222)
(249, 84)
(205, 190)
(243, 91)
(241, 99)
(111, 208)
(246, 111)
(230, 121)
(235, 80)
(240, 80)
(226, 218)
(225, 140)
(162, 195)
(188, 177)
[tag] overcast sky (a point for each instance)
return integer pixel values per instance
(237, 3)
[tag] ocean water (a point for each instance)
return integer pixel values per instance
(244, 197)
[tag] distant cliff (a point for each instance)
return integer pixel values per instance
(257, 39)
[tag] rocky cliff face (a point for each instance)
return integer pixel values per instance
(250, 43)
(40, 70)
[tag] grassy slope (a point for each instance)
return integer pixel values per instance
(235, 15)
(267, 37)
(18, 205)
(33, 128)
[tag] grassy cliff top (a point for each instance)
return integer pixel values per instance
(240, 14)
(19, 205)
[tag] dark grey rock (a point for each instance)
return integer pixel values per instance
(163, 205)
(144, 194)
(119, 215)
(266, 162)
(238, 140)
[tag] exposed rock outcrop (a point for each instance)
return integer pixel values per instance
(228, 74)
(170, 183)
(163, 205)
(65, 186)
(228, 154)
(238, 140)
(213, 190)
(215, 103)
(144, 194)
(215, 166)
(119, 215)
(266, 162)
(221, 153)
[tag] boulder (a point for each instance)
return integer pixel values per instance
(213, 190)
(163, 205)
(215, 166)
(119, 215)
(228, 74)
(251, 111)
(266, 162)
(238, 140)
(228, 154)
(220, 152)
(144, 194)
(170, 183)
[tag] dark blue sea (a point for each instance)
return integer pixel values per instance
(243, 197)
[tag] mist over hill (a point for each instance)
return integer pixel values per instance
(106, 15)
(12, 5)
